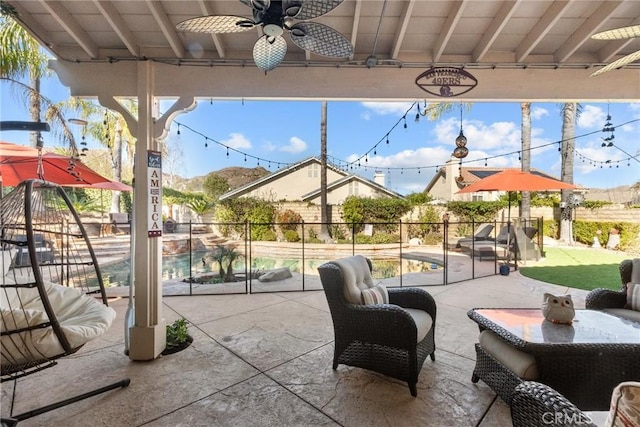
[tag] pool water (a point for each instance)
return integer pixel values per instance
(176, 267)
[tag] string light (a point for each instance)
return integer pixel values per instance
(349, 165)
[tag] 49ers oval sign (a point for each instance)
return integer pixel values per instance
(446, 81)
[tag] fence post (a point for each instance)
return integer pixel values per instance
(302, 231)
(353, 238)
(190, 261)
(400, 229)
(247, 238)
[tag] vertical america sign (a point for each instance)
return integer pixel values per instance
(154, 184)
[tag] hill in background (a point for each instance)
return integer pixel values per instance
(235, 176)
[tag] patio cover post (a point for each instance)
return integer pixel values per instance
(148, 335)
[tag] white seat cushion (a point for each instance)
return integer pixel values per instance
(522, 364)
(423, 321)
(81, 317)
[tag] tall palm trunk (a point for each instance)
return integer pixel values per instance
(525, 206)
(324, 208)
(568, 150)
(117, 166)
(34, 107)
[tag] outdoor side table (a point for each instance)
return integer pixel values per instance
(583, 361)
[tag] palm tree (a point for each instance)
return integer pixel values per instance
(109, 129)
(324, 208)
(569, 114)
(20, 58)
(525, 206)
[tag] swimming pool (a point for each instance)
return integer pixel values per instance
(183, 266)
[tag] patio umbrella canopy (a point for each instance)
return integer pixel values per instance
(515, 180)
(19, 163)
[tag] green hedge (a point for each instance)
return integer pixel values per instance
(585, 231)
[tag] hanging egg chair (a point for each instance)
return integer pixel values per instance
(52, 297)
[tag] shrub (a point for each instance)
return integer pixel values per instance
(378, 238)
(263, 233)
(476, 211)
(337, 231)
(428, 222)
(289, 220)
(383, 213)
(291, 236)
(432, 239)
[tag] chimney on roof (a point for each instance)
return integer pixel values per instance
(378, 178)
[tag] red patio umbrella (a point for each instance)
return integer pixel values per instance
(516, 180)
(19, 163)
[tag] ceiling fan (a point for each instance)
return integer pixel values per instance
(275, 17)
(619, 34)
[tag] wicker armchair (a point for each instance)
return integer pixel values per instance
(538, 405)
(380, 337)
(599, 299)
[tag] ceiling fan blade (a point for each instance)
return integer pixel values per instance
(618, 63)
(268, 52)
(216, 24)
(310, 9)
(320, 39)
(618, 33)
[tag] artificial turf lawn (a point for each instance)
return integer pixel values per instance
(584, 268)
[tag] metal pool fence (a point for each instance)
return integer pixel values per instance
(403, 253)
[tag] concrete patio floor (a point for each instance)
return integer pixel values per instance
(265, 360)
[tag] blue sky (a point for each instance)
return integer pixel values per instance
(286, 132)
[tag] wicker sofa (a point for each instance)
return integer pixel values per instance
(613, 302)
(393, 339)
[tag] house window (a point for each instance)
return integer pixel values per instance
(477, 198)
(314, 170)
(353, 188)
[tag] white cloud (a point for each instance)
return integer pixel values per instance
(296, 145)
(384, 108)
(591, 117)
(538, 112)
(504, 135)
(237, 141)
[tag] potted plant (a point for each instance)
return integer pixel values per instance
(178, 337)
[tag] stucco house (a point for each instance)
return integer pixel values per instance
(451, 178)
(301, 182)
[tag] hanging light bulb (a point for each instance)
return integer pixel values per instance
(178, 132)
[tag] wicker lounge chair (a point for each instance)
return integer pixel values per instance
(614, 302)
(481, 235)
(380, 337)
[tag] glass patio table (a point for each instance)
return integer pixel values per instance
(584, 361)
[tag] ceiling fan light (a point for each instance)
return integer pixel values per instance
(273, 30)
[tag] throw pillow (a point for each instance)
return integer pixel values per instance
(633, 296)
(376, 295)
(625, 405)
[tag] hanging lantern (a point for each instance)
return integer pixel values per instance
(460, 152)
